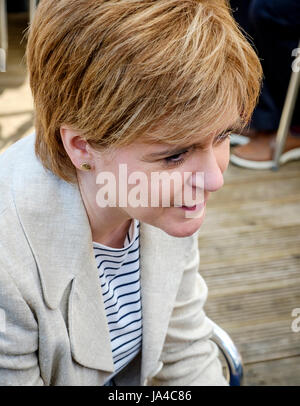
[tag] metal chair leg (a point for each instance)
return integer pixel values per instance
(286, 117)
(231, 355)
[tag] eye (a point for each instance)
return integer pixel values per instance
(175, 159)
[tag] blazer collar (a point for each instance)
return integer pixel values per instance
(57, 228)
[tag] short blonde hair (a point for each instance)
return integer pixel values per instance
(113, 70)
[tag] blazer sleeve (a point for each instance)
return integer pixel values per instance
(18, 336)
(189, 357)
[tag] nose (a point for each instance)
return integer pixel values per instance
(208, 174)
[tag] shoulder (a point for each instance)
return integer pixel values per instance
(16, 258)
(18, 170)
(21, 170)
(13, 163)
(11, 170)
(17, 156)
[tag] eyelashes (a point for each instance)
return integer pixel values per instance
(176, 159)
(179, 158)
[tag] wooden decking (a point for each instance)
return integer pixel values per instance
(250, 259)
(249, 243)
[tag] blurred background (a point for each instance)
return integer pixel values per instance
(249, 243)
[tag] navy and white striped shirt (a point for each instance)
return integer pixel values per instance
(119, 274)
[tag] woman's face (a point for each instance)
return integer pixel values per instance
(197, 169)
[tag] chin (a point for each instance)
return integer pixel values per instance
(184, 230)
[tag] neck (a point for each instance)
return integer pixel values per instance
(109, 225)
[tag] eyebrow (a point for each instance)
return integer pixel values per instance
(180, 149)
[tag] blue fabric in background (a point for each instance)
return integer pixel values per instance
(274, 26)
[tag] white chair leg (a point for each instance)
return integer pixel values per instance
(3, 26)
(32, 8)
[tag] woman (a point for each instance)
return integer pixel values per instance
(99, 276)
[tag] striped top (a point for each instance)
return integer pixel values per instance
(119, 275)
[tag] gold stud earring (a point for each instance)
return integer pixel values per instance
(86, 167)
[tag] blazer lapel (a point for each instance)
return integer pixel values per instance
(89, 334)
(160, 277)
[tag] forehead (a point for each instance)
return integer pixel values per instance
(203, 137)
(162, 133)
(157, 142)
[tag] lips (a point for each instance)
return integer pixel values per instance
(197, 207)
(190, 208)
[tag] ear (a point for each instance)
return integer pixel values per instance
(76, 147)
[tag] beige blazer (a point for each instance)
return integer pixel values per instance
(53, 328)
